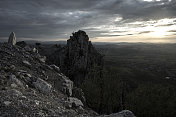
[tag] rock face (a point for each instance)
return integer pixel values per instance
(78, 93)
(12, 39)
(78, 59)
(82, 58)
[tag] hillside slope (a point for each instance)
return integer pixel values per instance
(30, 87)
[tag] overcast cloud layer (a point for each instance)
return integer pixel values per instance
(102, 19)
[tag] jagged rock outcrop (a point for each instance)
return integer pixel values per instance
(82, 58)
(78, 59)
(12, 39)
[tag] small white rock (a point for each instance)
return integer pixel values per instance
(7, 103)
(37, 102)
(26, 63)
(13, 85)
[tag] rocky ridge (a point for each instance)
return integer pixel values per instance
(30, 87)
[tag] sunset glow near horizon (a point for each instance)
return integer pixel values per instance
(152, 21)
(156, 31)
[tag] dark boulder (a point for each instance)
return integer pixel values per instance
(21, 44)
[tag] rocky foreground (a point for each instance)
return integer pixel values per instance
(30, 87)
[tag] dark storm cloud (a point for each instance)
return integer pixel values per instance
(132, 9)
(144, 32)
(172, 31)
(41, 18)
(45, 19)
(166, 25)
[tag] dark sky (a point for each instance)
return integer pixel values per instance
(103, 20)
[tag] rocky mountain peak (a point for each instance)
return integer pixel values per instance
(78, 41)
(80, 35)
(80, 32)
(12, 39)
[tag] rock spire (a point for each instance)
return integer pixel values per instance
(12, 39)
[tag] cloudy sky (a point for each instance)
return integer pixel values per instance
(103, 20)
